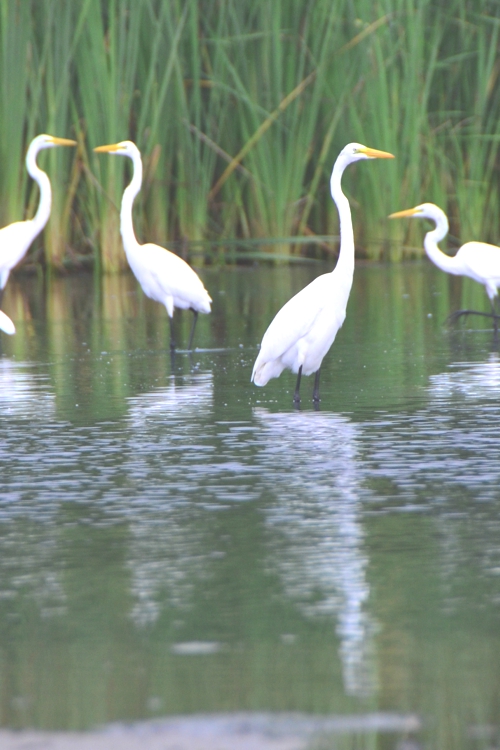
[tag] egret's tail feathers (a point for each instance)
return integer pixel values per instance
(263, 372)
(6, 324)
(206, 307)
(255, 374)
(256, 378)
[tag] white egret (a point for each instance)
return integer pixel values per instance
(162, 275)
(304, 329)
(6, 324)
(477, 260)
(16, 238)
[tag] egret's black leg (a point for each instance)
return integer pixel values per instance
(296, 395)
(495, 319)
(172, 337)
(459, 313)
(195, 318)
(316, 397)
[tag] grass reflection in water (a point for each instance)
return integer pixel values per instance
(174, 541)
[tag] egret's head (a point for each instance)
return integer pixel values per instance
(423, 211)
(124, 148)
(50, 141)
(356, 151)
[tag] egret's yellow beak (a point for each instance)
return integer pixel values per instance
(108, 148)
(61, 141)
(374, 153)
(406, 212)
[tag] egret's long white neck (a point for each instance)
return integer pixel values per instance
(41, 178)
(441, 260)
(126, 222)
(345, 263)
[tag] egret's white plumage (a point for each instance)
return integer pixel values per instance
(162, 275)
(6, 324)
(304, 329)
(16, 238)
(477, 260)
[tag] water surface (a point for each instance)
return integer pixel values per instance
(174, 540)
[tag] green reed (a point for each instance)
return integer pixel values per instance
(57, 51)
(240, 110)
(107, 61)
(18, 95)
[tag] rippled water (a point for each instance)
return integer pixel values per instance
(175, 540)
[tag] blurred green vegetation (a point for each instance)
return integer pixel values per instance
(239, 109)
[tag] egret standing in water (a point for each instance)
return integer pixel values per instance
(305, 328)
(477, 260)
(16, 238)
(162, 275)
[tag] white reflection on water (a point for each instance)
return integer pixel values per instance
(23, 393)
(477, 386)
(470, 379)
(185, 399)
(311, 460)
(449, 442)
(164, 555)
(25, 397)
(176, 457)
(30, 571)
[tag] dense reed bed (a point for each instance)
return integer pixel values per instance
(240, 108)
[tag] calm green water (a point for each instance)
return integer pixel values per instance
(176, 540)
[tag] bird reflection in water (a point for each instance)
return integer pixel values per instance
(317, 477)
(24, 393)
(165, 554)
(27, 541)
(471, 379)
(450, 439)
(179, 401)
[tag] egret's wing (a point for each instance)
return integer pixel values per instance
(294, 320)
(15, 240)
(482, 259)
(6, 324)
(171, 276)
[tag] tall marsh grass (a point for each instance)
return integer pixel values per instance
(240, 109)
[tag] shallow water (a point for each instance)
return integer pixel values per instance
(174, 540)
